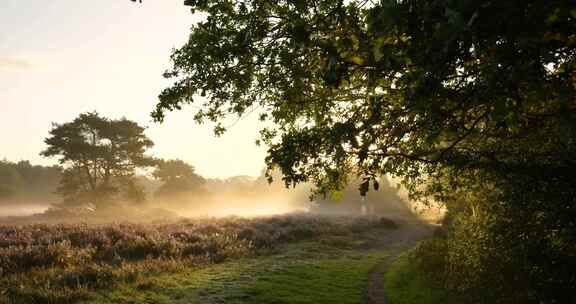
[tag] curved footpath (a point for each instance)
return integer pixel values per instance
(405, 238)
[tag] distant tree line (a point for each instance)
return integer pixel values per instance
(24, 181)
(104, 162)
(178, 179)
(104, 165)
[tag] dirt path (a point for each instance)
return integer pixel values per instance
(395, 243)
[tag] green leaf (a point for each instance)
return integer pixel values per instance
(336, 195)
(377, 49)
(357, 60)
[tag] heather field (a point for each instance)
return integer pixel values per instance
(310, 259)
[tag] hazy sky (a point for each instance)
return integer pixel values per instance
(59, 58)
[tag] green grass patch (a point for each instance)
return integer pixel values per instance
(338, 280)
(403, 284)
(309, 272)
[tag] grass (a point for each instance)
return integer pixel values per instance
(61, 264)
(284, 259)
(302, 273)
(403, 284)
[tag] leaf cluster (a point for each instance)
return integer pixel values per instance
(395, 87)
(99, 155)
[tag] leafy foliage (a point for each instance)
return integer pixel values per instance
(405, 284)
(383, 200)
(24, 181)
(469, 102)
(396, 87)
(511, 235)
(5, 192)
(99, 156)
(178, 178)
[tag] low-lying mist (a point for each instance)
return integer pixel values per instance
(238, 196)
(11, 208)
(240, 203)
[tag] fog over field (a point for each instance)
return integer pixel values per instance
(287, 151)
(197, 197)
(21, 209)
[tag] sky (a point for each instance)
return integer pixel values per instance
(60, 58)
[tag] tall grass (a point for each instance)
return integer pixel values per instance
(63, 263)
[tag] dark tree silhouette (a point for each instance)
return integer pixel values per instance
(5, 192)
(179, 178)
(99, 156)
(24, 182)
(469, 102)
(397, 87)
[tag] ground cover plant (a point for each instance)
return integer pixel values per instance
(406, 283)
(66, 263)
(305, 272)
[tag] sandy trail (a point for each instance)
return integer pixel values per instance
(396, 242)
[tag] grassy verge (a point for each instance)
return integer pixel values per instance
(307, 272)
(403, 284)
(137, 263)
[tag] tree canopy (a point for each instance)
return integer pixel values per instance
(99, 156)
(5, 192)
(393, 87)
(178, 178)
(470, 102)
(22, 181)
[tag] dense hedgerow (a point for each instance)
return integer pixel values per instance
(61, 263)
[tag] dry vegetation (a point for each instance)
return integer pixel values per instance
(64, 263)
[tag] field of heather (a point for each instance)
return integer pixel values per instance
(77, 262)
